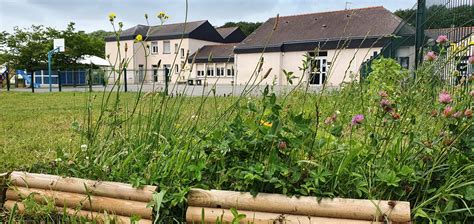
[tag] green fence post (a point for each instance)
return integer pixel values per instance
(125, 79)
(420, 32)
(59, 81)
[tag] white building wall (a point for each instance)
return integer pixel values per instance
(226, 79)
(176, 58)
(342, 64)
(247, 65)
(116, 57)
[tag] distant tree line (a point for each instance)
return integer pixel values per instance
(440, 16)
(246, 27)
(28, 48)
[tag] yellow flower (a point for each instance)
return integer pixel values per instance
(139, 38)
(162, 16)
(112, 16)
(471, 43)
(266, 123)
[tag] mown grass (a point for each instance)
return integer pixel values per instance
(33, 127)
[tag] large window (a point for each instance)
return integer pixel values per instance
(166, 47)
(154, 47)
(200, 73)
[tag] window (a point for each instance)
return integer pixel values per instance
(318, 70)
(404, 62)
(176, 48)
(166, 47)
(220, 71)
(182, 53)
(200, 73)
(176, 68)
(154, 47)
(210, 71)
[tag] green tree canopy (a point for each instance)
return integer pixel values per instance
(440, 16)
(246, 27)
(28, 48)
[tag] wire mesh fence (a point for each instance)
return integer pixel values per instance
(417, 34)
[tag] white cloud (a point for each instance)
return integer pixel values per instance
(90, 15)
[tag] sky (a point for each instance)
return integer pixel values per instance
(91, 15)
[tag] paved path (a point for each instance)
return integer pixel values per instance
(220, 90)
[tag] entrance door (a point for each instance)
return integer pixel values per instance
(318, 71)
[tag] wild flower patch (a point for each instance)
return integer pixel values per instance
(395, 135)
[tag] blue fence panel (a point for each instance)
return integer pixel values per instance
(82, 77)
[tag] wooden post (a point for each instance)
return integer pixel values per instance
(395, 211)
(102, 218)
(77, 185)
(211, 215)
(85, 202)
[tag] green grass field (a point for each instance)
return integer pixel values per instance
(34, 126)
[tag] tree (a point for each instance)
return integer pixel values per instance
(440, 16)
(28, 48)
(246, 27)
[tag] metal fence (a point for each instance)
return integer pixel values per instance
(420, 31)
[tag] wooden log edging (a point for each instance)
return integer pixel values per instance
(77, 185)
(194, 215)
(3, 187)
(85, 202)
(354, 209)
(102, 218)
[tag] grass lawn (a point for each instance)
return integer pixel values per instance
(34, 126)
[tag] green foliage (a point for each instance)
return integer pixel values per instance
(441, 16)
(246, 27)
(28, 48)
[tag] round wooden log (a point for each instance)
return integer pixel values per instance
(77, 185)
(395, 211)
(100, 217)
(73, 200)
(211, 215)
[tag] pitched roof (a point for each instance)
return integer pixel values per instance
(454, 34)
(217, 53)
(325, 26)
(175, 28)
(226, 31)
(202, 30)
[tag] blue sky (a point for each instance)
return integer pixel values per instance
(90, 15)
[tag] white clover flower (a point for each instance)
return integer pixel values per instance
(338, 112)
(58, 160)
(84, 147)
